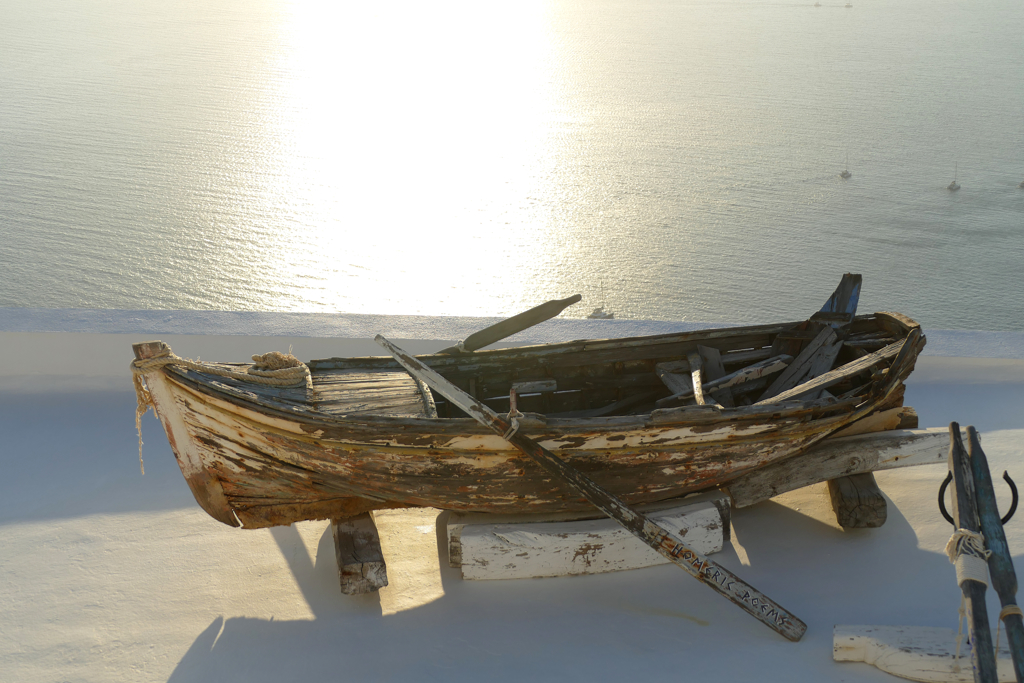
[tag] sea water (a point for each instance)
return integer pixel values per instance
(668, 160)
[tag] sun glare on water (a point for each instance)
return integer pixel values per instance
(411, 149)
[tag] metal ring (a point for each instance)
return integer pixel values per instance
(942, 499)
(1013, 506)
(1006, 518)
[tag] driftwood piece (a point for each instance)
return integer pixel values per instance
(487, 547)
(361, 567)
(834, 458)
(965, 512)
(857, 501)
(1000, 564)
(710, 573)
(844, 371)
(510, 326)
(918, 653)
(749, 374)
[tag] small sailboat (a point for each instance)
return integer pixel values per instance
(953, 186)
(846, 175)
(599, 312)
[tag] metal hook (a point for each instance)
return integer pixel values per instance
(1013, 506)
(942, 498)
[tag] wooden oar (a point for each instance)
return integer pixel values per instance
(671, 547)
(509, 326)
(1000, 565)
(965, 513)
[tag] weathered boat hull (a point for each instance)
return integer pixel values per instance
(255, 463)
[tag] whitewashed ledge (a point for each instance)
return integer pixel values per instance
(89, 349)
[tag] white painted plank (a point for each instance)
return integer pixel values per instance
(531, 549)
(917, 653)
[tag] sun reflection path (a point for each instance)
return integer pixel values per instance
(410, 159)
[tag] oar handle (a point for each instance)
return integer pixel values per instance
(510, 326)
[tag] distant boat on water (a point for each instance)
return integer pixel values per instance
(953, 186)
(845, 175)
(1021, 186)
(817, 4)
(849, 4)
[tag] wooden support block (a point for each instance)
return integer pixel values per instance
(361, 567)
(530, 546)
(918, 653)
(857, 501)
(833, 458)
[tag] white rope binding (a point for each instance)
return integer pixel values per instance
(966, 551)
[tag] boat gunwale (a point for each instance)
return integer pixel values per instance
(306, 413)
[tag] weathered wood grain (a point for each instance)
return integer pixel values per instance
(800, 366)
(488, 547)
(840, 457)
(965, 512)
(718, 578)
(857, 501)
(917, 653)
(733, 380)
(839, 374)
(361, 566)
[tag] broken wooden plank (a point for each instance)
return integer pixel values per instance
(713, 369)
(834, 458)
(489, 547)
(750, 374)
(918, 653)
(839, 374)
(857, 501)
(361, 567)
(801, 365)
(676, 383)
(696, 366)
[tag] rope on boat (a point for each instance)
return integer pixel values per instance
(1007, 611)
(514, 420)
(273, 369)
(966, 550)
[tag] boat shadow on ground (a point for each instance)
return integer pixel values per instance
(593, 627)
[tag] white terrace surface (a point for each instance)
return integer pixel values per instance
(107, 575)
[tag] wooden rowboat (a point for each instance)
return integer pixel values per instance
(365, 435)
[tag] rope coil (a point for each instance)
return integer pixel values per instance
(273, 369)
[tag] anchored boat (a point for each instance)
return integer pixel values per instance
(646, 418)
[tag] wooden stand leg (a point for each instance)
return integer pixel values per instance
(361, 567)
(857, 501)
